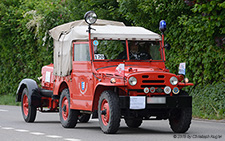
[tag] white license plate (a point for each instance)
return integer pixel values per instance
(137, 102)
(156, 100)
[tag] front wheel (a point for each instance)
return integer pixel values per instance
(180, 120)
(68, 117)
(28, 111)
(109, 112)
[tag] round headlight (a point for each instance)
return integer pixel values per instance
(132, 81)
(173, 80)
(90, 17)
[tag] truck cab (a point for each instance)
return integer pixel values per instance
(111, 71)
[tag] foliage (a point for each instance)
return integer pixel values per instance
(192, 32)
(25, 43)
(208, 101)
(195, 30)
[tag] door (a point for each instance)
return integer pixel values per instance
(82, 77)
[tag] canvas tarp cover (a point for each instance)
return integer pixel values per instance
(63, 36)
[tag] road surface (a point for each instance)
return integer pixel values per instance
(47, 127)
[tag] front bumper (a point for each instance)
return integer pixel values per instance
(170, 102)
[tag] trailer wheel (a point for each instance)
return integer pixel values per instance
(133, 123)
(28, 111)
(84, 118)
(109, 112)
(180, 120)
(68, 117)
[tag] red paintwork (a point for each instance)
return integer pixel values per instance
(25, 105)
(44, 84)
(89, 79)
(65, 112)
(105, 107)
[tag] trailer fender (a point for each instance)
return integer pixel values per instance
(34, 97)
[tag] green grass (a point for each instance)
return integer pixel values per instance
(209, 101)
(8, 100)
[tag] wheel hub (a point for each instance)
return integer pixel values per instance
(105, 112)
(65, 110)
(25, 105)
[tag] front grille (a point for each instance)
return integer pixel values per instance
(153, 81)
(143, 86)
(144, 76)
(147, 76)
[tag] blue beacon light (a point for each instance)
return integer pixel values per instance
(162, 26)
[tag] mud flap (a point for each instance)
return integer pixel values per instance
(36, 98)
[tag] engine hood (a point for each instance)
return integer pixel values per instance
(128, 69)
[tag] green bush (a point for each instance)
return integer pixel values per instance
(196, 33)
(208, 101)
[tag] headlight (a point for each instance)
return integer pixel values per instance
(132, 81)
(173, 80)
(90, 17)
(113, 80)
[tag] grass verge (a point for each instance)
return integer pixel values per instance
(209, 101)
(8, 100)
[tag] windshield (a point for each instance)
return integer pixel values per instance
(114, 50)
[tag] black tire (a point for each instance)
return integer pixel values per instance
(180, 120)
(84, 118)
(28, 111)
(68, 117)
(109, 112)
(133, 123)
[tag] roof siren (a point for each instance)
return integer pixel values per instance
(162, 26)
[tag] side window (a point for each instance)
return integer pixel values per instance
(81, 52)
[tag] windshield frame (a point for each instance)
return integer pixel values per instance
(161, 51)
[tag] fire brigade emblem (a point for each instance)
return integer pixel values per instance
(83, 87)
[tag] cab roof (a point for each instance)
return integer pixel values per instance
(103, 29)
(65, 34)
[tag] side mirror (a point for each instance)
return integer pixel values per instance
(167, 46)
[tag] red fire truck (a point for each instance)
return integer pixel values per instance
(112, 72)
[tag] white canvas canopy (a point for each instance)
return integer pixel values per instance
(63, 36)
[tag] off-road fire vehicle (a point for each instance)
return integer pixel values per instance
(110, 71)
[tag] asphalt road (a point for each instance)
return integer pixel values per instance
(47, 127)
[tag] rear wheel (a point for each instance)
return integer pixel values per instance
(68, 117)
(180, 120)
(28, 111)
(84, 118)
(109, 112)
(133, 123)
